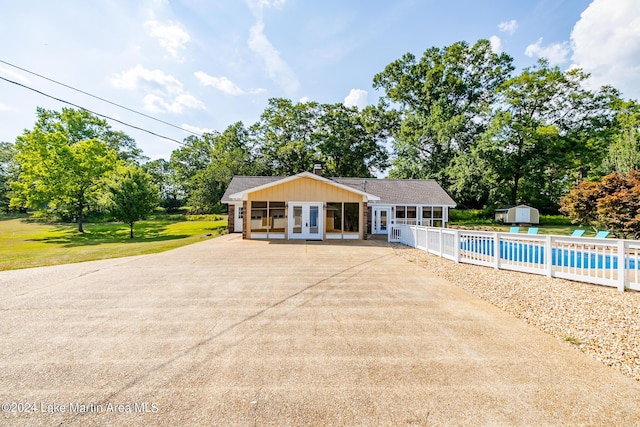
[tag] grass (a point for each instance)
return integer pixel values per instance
(482, 220)
(27, 243)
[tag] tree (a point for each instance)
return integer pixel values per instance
(445, 99)
(188, 161)
(132, 195)
(230, 155)
(624, 152)
(170, 192)
(284, 136)
(580, 204)
(543, 117)
(613, 203)
(619, 206)
(290, 138)
(8, 173)
(350, 142)
(62, 163)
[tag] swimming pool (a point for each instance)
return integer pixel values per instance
(535, 254)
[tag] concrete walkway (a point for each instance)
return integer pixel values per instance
(231, 332)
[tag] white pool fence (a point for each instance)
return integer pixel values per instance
(581, 259)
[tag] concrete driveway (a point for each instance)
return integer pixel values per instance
(231, 332)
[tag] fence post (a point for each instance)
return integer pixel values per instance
(440, 241)
(548, 257)
(622, 279)
(456, 246)
(496, 251)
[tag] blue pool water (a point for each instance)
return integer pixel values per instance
(524, 252)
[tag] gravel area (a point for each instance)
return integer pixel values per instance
(600, 321)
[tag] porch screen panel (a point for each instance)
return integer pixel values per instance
(427, 216)
(334, 218)
(259, 217)
(400, 215)
(352, 217)
(437, 216)
(411, 215)
(277, 217)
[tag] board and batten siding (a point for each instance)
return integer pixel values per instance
(305, 190)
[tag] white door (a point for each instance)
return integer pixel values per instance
(305, 221)
(523, 215)
(237, 221)
(381, 220)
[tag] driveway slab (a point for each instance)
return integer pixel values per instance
(232, 332)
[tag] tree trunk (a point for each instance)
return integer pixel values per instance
(131, 230)
(80, 217)
(514, 189)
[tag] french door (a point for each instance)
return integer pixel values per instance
(305, 221)
(381, 220)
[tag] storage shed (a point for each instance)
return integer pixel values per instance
(521, 214)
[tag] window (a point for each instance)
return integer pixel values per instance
(240, 212)
(352, 217)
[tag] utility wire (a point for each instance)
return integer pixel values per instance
(101, 99)
(92, 112)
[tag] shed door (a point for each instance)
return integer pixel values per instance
(523, 215)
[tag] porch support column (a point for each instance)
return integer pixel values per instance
(231, 218)
(365, 217)
(246, 218)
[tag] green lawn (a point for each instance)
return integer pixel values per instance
(25, 243)
(479, 220)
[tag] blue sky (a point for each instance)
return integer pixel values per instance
(205, 64)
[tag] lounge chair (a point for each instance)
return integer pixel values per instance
(514, 229)
(532, 230)
(602, 234)
(578, 233)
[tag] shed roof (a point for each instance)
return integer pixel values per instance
(390, 191)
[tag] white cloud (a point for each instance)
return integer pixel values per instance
(223, 84)
(556, 53)
(172, 37)
(196, 129)
(138, 76)
(14, 75)
(304, 100)
(356, 98)
(4, 108)
(509, 27)
(606, 43)
(496, 44)
(277, 69)
(166, 93)
(158, 104)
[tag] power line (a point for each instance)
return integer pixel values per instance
(92, 112)
(101, 99)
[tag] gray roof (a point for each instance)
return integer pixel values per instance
(401, 191)
(390, 191)
(241, 183)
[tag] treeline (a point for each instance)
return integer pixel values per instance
(458, 114)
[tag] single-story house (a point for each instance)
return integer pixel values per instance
(309, 206)
(521, 214)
